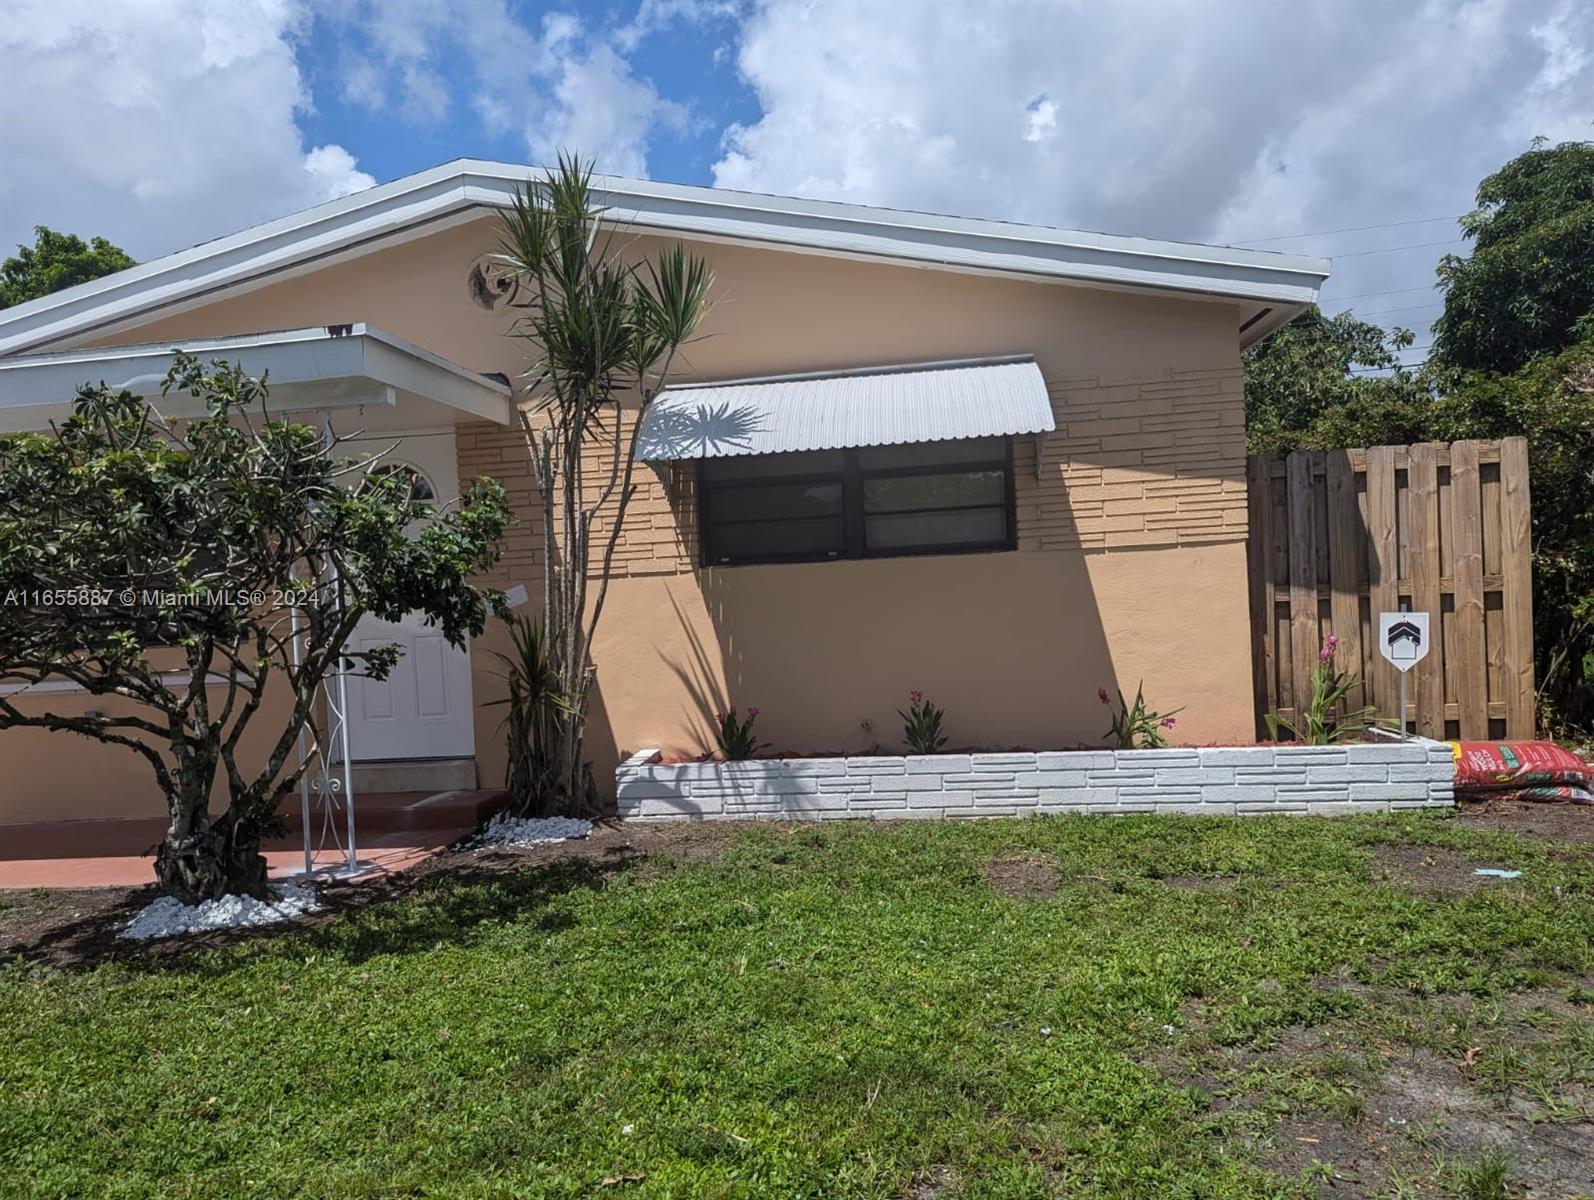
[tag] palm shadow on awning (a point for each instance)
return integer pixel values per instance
(697, 431)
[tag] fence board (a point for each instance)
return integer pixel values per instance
(1471, 655)
(1516, 570)
(1382, 568)
(1422, 475)
(1345, 550)
(1337, 538)
(1304, 639)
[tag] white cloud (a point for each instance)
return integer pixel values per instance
(157, 125)
(600, 109)
(560, 86)
(1200, 121)
(335, 172)
(655, 16)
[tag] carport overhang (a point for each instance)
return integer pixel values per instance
(391, 383)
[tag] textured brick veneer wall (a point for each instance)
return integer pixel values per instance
(1155, 463)
(1376, 777)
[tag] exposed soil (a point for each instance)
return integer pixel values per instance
(931, 1184)
(1201, 883)
(1561, 822)
(1405, 1115)
(1022, 877)
(1431, 870)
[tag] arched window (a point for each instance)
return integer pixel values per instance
(420, 487)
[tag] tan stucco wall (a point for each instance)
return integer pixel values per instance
(1131, 560)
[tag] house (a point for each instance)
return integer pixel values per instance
(1000, 464)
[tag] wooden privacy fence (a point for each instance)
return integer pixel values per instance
(1338, 536)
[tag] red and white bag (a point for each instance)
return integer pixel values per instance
(1522, 770)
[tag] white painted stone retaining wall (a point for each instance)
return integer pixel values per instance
(1370, 777)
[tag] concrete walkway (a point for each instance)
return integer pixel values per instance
(75, 865)
(395, 831)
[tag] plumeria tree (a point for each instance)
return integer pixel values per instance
(603, 333)
(207, 575)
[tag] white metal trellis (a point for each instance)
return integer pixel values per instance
(326, 769)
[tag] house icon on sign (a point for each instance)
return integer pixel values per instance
(1404, 639)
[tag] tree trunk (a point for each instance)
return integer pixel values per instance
(201, 860)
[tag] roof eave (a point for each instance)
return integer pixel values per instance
(456, 191)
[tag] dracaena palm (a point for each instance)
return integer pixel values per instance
(604, 328)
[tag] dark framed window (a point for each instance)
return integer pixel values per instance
(873, 502)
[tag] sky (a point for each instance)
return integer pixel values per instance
(1357, 131)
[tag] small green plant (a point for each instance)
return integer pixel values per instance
(1324, 720)
(921, 725)
(1135, 726)
(1484, 1178)
(535, 705)
(735, 735)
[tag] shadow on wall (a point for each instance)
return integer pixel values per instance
(1010, 645)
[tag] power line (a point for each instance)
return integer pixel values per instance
(1366, 295)
(1392, 249)
(1287, 237)
(1405, 350)
(1378, 312)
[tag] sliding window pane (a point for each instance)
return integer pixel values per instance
(823, 537)
(949, 530)
(968, 489)
(775, 501)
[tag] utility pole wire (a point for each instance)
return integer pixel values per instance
(1392, 249)
(1286, 237)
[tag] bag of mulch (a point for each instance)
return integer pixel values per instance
(1543, 769)
(1566, 793)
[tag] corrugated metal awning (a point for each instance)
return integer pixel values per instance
(879, 406)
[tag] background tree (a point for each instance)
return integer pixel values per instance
(601, 331)
(56, 261)
(1529, 279)
(1318, 368)
(206, 545)
(1513, 355)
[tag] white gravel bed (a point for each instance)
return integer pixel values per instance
(168, 916)
(531, 831)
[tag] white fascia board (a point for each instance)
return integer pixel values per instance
(410, 368)
(308, 369)
(458, 191)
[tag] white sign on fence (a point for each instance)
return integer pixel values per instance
(1403, 638)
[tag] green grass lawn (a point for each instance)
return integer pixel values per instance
(842, 1011)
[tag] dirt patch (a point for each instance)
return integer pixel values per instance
(1406, 1118)
(1022, 877)
(932, 1183)
(1560, 822)
(29, 918)
(1201, 883)
(1424, 1094)
(1431, 870)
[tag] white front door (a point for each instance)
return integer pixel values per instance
(422, 709)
